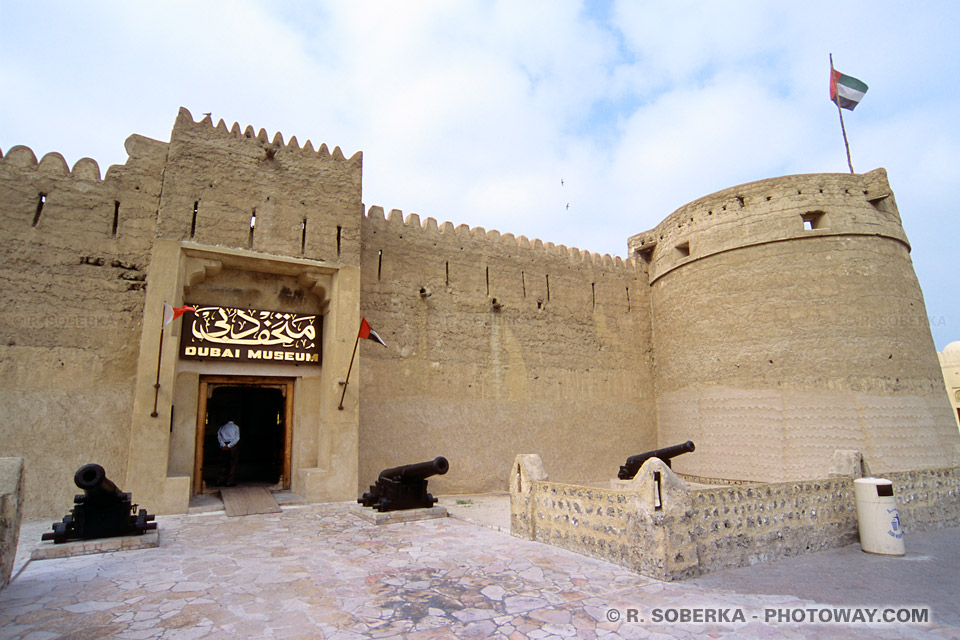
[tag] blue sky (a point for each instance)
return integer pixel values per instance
(473, 112)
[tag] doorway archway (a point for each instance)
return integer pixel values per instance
(263, 409)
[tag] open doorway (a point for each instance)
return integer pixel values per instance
(261, 408)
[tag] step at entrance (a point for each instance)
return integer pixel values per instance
(245, 501)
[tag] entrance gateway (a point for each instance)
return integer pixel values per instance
(263, 409)
(229, 337)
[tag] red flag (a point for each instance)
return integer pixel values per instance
(170, 313)
(368, 333)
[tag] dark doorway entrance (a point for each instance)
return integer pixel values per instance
(260, 414)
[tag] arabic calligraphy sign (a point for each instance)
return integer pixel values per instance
(227, 333)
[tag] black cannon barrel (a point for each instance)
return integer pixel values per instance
(633, 464)
(418, 471)
(95, 483)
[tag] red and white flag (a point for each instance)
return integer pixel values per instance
(368, 333)
(170, 313)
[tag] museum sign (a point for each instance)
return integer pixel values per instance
(250, 335)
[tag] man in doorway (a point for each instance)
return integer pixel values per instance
(228, 436)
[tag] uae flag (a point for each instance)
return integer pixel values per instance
(172, 313)
(368, 333)
(846, 91)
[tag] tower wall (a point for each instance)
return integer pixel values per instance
(789, 323)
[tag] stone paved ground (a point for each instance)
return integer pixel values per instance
(320, 572)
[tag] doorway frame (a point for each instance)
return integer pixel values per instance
(207, 385)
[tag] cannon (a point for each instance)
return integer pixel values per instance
(633, 463)
(101, 511)
(404, 487)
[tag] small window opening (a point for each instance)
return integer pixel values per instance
(303, 237)
(881, 204)
(193, 221)
(646, 253)
(683, 249)
(628, 298)
(253, 223)
(523, 284)
(488, 280)
(593, 295)
(339, 234)
(116, 218)
(814, 220)
(41, 200)
(379, 262)
(548, 288)
(446, 268)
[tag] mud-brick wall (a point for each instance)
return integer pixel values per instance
(238, 188)
(789, 323)
(74, 250)
(496, 346)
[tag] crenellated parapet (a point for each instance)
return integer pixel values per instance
(52, 164)
(262, 139)
(240, 188)
(447, 232)
(776, 210)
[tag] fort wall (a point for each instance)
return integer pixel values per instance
(498, 344)
(771, 323)
(251, 222)
(240, 189)
(74, 252)
(789, 323)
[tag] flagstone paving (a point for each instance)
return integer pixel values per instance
(320, 572)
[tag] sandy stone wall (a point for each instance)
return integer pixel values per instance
(681, 531)
(11, 512)
(497, 344)
(777, 344)
(306, 202)
(75, 252)
(248, 220)
(770, 323)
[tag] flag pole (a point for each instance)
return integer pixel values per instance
(843, 129)
(156, 385)
(349, 368)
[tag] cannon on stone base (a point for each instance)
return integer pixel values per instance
(404, 487)
(101, 511)
(633, 463)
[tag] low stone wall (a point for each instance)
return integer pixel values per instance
(657, 525)
(927, 499)
(11, 507)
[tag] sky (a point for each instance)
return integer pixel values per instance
(579, 123)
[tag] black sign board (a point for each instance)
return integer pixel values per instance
(250, 335)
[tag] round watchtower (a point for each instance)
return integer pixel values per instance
(788, 324)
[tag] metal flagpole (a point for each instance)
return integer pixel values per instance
(156, 386)
(843, 129)
(347, 379)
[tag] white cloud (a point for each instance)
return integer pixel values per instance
(473, 111)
